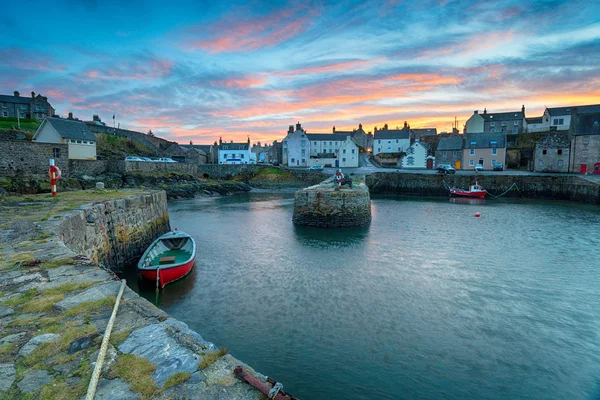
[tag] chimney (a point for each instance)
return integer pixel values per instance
(385, 128)
(334, 129)
(291, 129)
(298, 126)
(485, 111)
(70, 115)
(405, 124)
(16, 93)
(476, 112)
(248, 139)
(220, 141)
(359, 126)
(33, 95)
(96, 118)
(523, 109)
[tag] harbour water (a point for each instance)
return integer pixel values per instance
(426, 302)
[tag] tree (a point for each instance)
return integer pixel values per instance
(150, 133)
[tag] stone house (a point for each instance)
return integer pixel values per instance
(512, 122)
(418, 134)
(483, 148)
(296, 147)
(275, 153)
(81, 141)
(552, 153)
(535, 124)
(416, 156)
(235, 153)
(585, 140)
(347, 154)
(34, 107)
(390, 141)
(362, 139)
(177, 153)
(450, 151)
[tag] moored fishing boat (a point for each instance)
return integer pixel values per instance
(474, 191)
(168, 258)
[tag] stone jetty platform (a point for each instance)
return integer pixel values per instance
(326, 206)
(55, 304)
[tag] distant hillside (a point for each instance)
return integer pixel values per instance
(117, 147)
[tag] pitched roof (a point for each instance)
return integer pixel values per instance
(534, 120)
(504, 116)
(391, 134)
(586, 123)
(334, 137)
(13, 99)
(70, 129)
(425, 132)
(201, 148)
(484, 140)
(450, 143)
(234, 146)
(555, 140)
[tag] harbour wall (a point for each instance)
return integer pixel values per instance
(116, 232)
(322, 206)
(551, 187)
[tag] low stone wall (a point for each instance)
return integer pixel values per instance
(143, 166)
(226, 171)
(322, 206)
(116, 232)
(21, 157)
(78, 168)
(550, 187)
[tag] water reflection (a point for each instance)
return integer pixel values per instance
(471, 202)
(330, 237)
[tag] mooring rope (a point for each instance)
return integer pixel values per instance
(98, 368)
(506, 191)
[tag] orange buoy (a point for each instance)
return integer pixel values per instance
(477, 215)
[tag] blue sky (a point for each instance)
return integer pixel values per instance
(200, 70)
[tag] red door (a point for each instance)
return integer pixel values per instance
(429, 163)
(583, 168)
(597, 168)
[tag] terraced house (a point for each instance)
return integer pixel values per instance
(512, 122)
(235, 153)
(16, 106)
(483, 148)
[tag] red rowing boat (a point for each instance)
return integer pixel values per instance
(474, 191)
(168, 258)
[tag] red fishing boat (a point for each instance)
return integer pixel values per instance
(474, 191)
(168, 258)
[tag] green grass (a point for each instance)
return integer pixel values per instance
(26, 124)
(24, 298)
(177, 379)
(68, 333)
(6, 348)
(137, 371)
(91, 306)
(117, 338)
(42, 303)
(209, 358)
(67, 288)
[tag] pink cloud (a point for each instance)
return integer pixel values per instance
(137, 71)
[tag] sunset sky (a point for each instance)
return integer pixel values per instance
(198, 70)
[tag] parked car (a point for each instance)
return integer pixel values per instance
(133, 158)
(165, 159)
(478, 167)
(147, 159)
(316, 168)
(498, 166)
(446, 169)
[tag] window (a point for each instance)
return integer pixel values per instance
(242, 155)
(396, 140)
(56, 153)
(303, 161)
(4, 105)
(343, 159)
(5, 113)
(471, 163)
(558, 121)
(584, 153)
(303, 152)
(544, 152)
(344, 151)
(315, 143)
(559, 152)
(379, 149)
(79, 141)
(516, 123)
(494, 151)
(492, 123)
(353, 150)
(22, 115)
(410, 160)
(303, 143)
(493, 162)
(472, 152)
(443, 154)
(560, 163)
(330, 143)
(293, 160)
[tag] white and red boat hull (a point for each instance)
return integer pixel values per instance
(168, 275)
(467, 193)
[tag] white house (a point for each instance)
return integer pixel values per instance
(416, 156)
(235, 153)
(81, 141)
(347, 154)
(390, 140)
(296, 147)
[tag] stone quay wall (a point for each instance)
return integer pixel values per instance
(115, 233)
(150, 167)
(322, 206)
(548, 187)
(21, 157)
(78, 168)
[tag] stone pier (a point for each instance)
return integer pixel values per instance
(325, 206)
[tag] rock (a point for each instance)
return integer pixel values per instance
(114, 389)
(80, 344)
(91, 275)
(73, 381)
(7, 376)
(5, 311)
(170, 345)
(33, 344)
(94, 293)
(29, 316)
(67, 368)
(12, 338)
(33, 380)
(190, 390)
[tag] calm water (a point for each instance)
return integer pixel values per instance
(427, 302)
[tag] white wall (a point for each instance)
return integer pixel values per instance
(82, 150)
(324, 146)
(348, 154)
(416, 157)
(297, 148)
(474, 124)
(245, 156)
(390, 145)
(47, 134)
